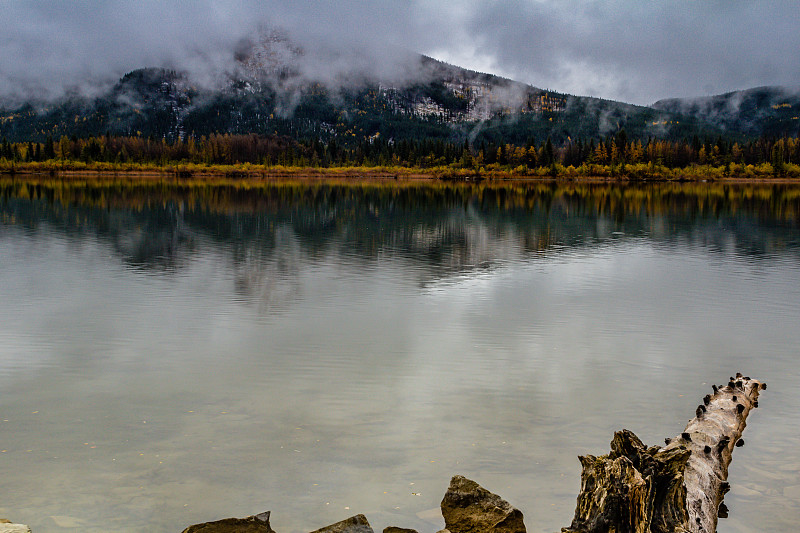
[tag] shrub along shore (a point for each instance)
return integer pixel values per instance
(590, 172)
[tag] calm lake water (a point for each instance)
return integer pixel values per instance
(176, 353)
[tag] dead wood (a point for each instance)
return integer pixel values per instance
(675, 488)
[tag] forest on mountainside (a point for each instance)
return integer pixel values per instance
(457, 121)
(453, 106)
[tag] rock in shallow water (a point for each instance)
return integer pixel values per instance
(354, 524)
(7, 527)
(469, 508)
(252, 524)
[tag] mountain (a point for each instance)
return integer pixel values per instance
(269, 91)
(771, 111)
(143, 102)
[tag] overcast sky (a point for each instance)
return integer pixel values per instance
(631, 50)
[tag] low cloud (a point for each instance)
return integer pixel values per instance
(640, 52)
(626, 50)
(48, 49)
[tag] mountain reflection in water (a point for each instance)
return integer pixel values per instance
(444, 231)
(175, 351)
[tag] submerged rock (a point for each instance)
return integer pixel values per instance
(399, 530)
(354, 524)
(469, 508)
(7, 527)
(252, 524)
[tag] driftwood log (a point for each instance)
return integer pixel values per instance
(675, 488)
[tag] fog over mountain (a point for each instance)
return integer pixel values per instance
(270, 82)
(756, 111)
(637, 52)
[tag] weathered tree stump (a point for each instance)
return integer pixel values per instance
(677, 488)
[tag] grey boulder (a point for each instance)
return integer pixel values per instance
(354, 524)
(469, 508)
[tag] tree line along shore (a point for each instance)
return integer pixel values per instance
(252, 156)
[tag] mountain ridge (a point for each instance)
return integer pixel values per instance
(758, 111)
(441, 101)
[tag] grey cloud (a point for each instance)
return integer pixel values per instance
(642, 51)
(86, 44)
(49, 47)
(621, 49)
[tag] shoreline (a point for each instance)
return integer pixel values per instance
(253, 174)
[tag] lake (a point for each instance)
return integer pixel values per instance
(173, 352)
